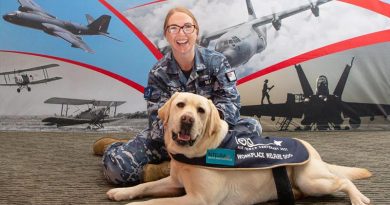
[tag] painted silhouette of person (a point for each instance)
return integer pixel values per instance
(265, 92)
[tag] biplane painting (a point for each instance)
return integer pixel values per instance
(97, 113)
(23, 78)
(300, 65)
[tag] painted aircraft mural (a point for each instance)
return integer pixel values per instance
(23, 77)
(97, 113)
(240, 42)
(319, 110)
(31, 15)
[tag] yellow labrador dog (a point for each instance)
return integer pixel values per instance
(192, 126)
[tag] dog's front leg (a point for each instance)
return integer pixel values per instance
(162, 188)
(186, 200)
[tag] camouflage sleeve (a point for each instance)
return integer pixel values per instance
(156, 94)
(226, 97)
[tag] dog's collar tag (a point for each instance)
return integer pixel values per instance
(221, 156)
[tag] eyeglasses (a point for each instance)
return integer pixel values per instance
(187, 28)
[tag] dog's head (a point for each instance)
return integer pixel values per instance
(191, 124)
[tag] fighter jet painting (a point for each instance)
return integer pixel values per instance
(31, 15)
(319, 110)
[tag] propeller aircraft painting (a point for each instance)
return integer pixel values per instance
(240, 42)
(97, 113)
(22, 78)
(31, 15)
(319, 110)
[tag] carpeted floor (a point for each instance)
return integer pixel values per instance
(59, 167)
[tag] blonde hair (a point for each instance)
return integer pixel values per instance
(181, 10)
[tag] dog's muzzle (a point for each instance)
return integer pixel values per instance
(183, 138)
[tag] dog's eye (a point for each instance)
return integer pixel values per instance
(201, 110)
(180, 104)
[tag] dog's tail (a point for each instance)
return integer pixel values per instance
(351, 173)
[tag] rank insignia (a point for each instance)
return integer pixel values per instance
(231, 76)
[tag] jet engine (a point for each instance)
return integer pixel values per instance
(276, 23)
(315, 10)
(25, 8)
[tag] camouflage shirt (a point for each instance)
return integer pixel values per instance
(211, 77)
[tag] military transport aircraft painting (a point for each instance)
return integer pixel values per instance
(318, 110)
(97, 113)
(30, 14)
(241, 42)
(23, 78)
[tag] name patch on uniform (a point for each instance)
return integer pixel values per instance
(221, 156)
(148, 93)
(231, 76)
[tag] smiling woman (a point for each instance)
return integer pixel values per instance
(186, 68)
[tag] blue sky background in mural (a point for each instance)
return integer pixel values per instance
(129, 58)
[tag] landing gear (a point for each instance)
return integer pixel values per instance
(28, 89)
(18, 90)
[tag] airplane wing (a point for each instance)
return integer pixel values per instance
(65, 121)
(284, 14)
(293, 110)
(32, 7)
(30, 69)
(9, 84)
(365, 109)
(74, 40)
(71, 101)
(206, 38)
(45, 80)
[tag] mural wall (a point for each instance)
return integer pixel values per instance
(301, 65)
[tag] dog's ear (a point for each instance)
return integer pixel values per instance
(214, 125)
(163, 112)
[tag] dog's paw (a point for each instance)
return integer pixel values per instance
(360, 200)
(120, 194)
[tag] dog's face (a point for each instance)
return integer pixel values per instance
(190, 123)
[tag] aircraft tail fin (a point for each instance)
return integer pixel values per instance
(307, 91)
(338, 91)
(251, 12)
(99, 25)
(90, 19)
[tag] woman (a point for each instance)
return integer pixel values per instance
(186, 68)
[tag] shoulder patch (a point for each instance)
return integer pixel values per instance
(231, 76)
(148, 92)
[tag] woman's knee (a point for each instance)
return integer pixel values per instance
(123, 163)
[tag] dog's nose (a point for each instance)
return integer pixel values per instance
(187, 119)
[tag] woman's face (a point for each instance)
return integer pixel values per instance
(181, 42)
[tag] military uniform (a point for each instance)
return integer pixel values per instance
(211, 77)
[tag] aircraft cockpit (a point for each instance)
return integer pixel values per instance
(10, 16)
(222, 45)
(322, 89)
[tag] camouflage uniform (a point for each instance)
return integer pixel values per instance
(211, 77)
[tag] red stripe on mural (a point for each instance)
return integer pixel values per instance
(153, 2)
(91, 67)
(365, 40)
(157, 54)
(373, 5)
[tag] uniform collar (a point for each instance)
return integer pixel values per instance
(173, 67)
